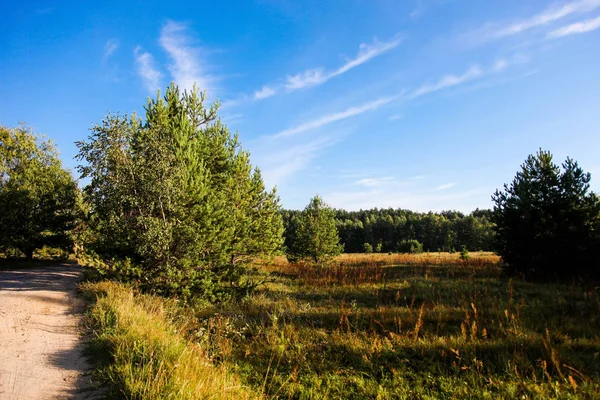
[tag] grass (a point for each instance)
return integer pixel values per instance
(142, 353)
(376, 326)
(407, 326)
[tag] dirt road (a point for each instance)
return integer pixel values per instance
(40, 344)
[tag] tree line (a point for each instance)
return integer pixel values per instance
(399, 230)
(173, 203)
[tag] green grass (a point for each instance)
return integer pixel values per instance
(357, 329)
(407, 332)
(141, 353)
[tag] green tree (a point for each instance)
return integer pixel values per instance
(316, 234)
(175, 200)
(547, 220)
(38, 198)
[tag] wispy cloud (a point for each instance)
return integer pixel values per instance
(186, 67)
(497, 30)
(109, 48)
(548, 16)
(372, 182)
(265, 92)
(327, 119)
(443, 187)
(146, 69)
(473, 73)
(448, 81)
(576, 28)
(317, 76)
(309, 77)
(408, 197)
(411, 193)
(396, 117)
(279, 160)
(418, 10)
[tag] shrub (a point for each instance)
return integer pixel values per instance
(410, 246)
(464, 253)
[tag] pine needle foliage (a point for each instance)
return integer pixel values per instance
(548, 221)
(176, 204)
(316, 236)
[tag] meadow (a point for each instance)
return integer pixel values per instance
(402, 326)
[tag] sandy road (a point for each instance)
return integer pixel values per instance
(40, 344)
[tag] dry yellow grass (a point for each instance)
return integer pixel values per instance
(424, 259)
(145, 355)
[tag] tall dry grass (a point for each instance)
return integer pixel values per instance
(357, 269)
(143, 355)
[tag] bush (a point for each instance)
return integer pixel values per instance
(410, 246)
(464, 254)
(367, 248)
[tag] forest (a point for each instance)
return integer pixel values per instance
(393, 230)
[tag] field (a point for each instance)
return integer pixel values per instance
(393, 326)
(408, 326)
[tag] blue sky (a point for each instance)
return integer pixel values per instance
(419, 104)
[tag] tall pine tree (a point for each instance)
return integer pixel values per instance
(178, 197)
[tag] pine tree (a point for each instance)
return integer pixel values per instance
(316, 236)
(177, 196)
(547, 220)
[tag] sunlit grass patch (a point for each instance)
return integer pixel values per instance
(143, 354)
(361, 327)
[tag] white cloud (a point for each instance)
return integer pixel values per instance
(549, 15)
(265, 92)
(317, 76)
(443, 187)
(307, 78)
(278, 161)
(110, 47)
(186, 67)
(146, 69)
(576, 28)
(412, 199)
(396, 117)
(327, 119)
(371, 182)
(412, 193)
(472, 73)
(500, 65)
(448, 81)
(367, 52)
